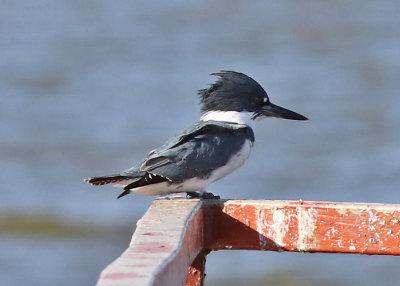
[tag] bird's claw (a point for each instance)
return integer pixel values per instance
(203, 195)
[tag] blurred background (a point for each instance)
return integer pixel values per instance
(88, 87)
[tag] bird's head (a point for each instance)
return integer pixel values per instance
(236, 97)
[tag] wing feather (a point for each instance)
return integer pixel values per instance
(200, 149)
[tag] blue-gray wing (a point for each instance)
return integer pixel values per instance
(200, 149)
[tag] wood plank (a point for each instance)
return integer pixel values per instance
(304, 226)
(167, 240)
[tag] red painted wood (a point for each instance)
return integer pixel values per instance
(174, 236)
(166, 241)
(305, 226)
(196, 271)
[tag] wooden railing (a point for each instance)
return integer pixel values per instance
(173, 238)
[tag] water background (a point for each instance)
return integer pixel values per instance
(89, 87)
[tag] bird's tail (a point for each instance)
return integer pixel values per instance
(110, 179)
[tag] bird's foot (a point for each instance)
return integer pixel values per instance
(209, 196)
(192, 195)
(203, 195)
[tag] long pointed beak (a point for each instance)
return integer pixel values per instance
(272, 110)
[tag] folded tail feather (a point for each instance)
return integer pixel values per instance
(98, 181)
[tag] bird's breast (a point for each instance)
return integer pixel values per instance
(234, 162)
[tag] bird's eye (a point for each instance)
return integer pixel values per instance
(265, 100)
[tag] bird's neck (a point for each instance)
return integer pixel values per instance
(229, 116)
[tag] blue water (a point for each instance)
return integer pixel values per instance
(89, 87)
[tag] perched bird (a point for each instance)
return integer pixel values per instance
(209, 149)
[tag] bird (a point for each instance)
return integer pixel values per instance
(216, 145)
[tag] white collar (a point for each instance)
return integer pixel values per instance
(229, 116)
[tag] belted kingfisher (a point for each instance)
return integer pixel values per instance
(209, 149)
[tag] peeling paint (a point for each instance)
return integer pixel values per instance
(306, 226)
(342, 211)
(279, 228)
(372, 216)
(331, 232)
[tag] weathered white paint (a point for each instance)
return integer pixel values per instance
(372, 219)
(280, 227)
(306, 227)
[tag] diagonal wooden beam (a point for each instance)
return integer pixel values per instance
(166, 241)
